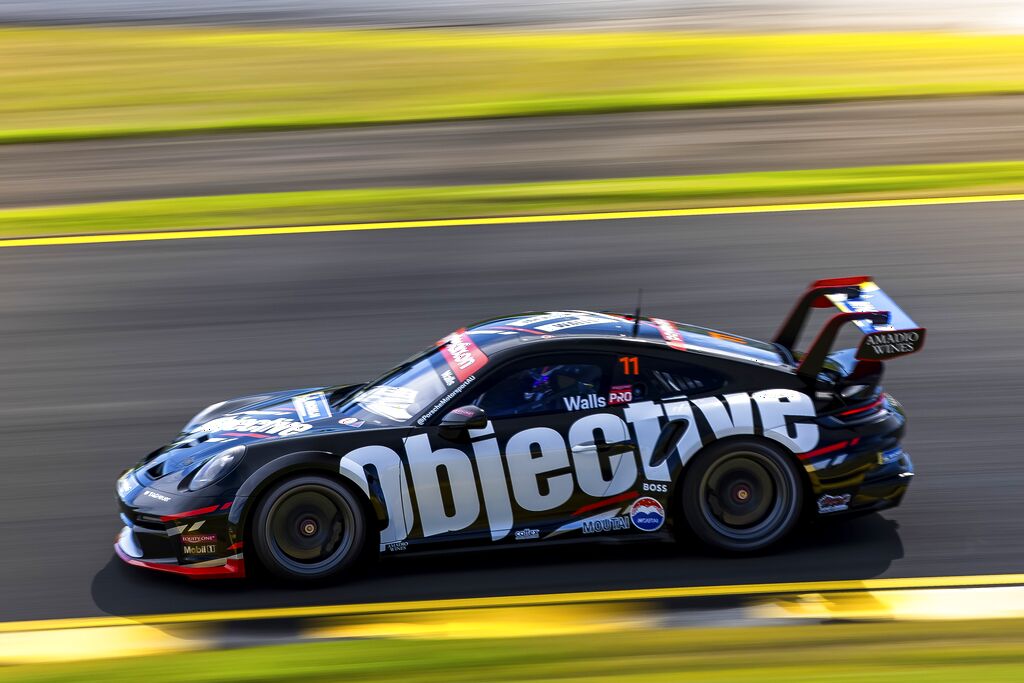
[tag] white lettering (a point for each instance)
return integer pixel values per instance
(493, 483)
(645, 418)
(740, 422)
(689, 442)
(425, 465)
(775, 405)
(587, 463)
(525, 470)
(393, 484)
(536, 470)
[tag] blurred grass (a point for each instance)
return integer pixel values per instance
(926, 652)
(72, 82)
(474, 201)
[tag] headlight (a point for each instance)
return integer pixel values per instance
(216, 467)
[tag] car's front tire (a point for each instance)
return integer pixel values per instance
(309, 528)
(742, 496)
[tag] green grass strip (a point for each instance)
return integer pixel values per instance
(74, 82)
(474, 201)
(931, 652)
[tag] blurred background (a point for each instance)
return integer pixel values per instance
(811, 138)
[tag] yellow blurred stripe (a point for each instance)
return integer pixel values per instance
(919, 605)
(524, 600)
(500, 220)
(498, 622)
(82, 644)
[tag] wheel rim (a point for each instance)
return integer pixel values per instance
(310, 528)
(747, 496)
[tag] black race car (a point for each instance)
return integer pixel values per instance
(538, 428)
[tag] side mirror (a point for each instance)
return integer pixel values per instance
(463, 419)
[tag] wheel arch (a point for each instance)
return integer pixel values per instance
(675, 491)
(323, 463)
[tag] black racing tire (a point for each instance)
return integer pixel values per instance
(309, 529)
(742, 496)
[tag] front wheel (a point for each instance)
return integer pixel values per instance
(742, 496)
(309, 528)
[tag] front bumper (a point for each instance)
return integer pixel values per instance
(168, 533)
(129, 548)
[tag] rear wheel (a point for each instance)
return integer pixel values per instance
(309, 528)
(742, 496)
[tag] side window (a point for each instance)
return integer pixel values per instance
(641, 378)
(538, 388)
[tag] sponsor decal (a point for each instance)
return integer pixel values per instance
(620, 394)
(882, 344)
(670, 333)
(390, 402)
(464, 357)
(655, 487)
(199, 549)
(311, 407)
(559, 320)
(598, 526)
(647, 514)
(397, 546)
(527, 534)
(199, 538)
(577, 321)
(159, 496)
(448, 377)
(445, 400)
(833, 503)
(588, 402)
(890, 456)
(540, 318)
(437, 487)
(281, 426)
(351, 422)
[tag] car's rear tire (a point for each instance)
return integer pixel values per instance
(742, 496)
(309, 528)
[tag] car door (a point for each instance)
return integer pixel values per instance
(551, 441)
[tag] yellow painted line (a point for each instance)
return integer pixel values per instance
(499, 220)
(522, 600)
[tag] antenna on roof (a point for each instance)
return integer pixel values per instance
(636, 318)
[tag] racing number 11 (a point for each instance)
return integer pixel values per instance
(630, 365)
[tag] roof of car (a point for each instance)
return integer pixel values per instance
(498, 334)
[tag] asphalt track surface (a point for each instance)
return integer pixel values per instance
(518, 150)
(107, 349)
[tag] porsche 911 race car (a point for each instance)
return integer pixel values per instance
(538, 428)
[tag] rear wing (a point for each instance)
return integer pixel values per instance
(888, 331)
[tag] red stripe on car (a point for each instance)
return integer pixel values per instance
(190, 513)
(823, 451)
(862, 409)
(629, 495)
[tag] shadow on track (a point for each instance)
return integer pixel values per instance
(860, 548)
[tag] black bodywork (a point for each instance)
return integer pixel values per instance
(573, 463)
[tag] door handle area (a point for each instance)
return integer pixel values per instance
(614, 448)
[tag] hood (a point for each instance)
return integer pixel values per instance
(242, 421)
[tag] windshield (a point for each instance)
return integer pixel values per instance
(430, 379)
